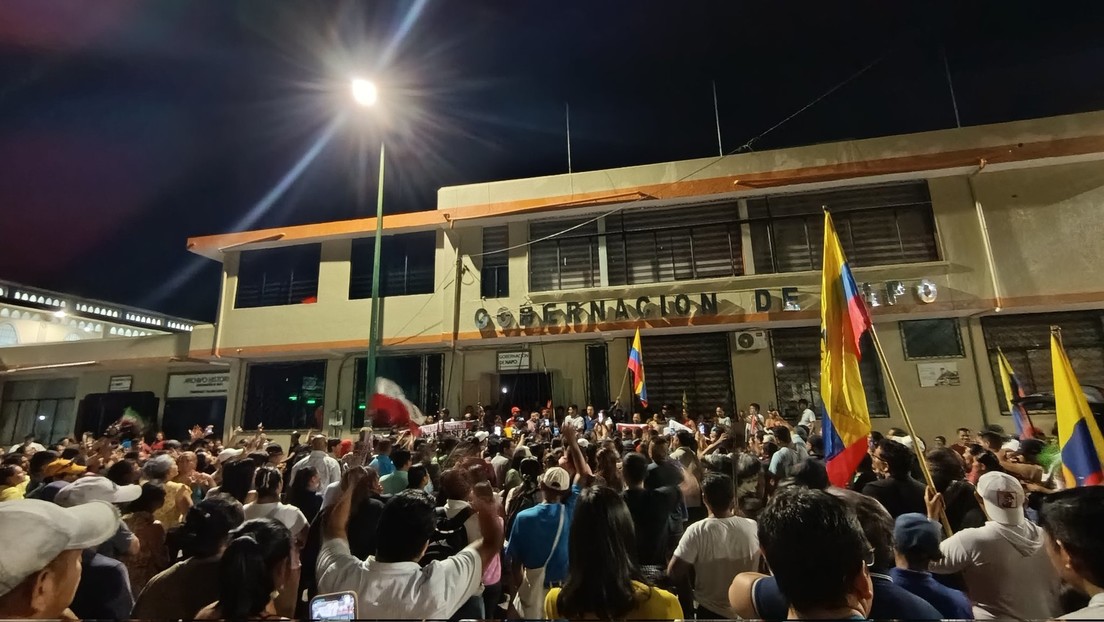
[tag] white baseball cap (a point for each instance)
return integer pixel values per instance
(96, 488)
(229, 454)
(1003, 497)
(556, 478)
(40, 531)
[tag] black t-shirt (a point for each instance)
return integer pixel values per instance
(104, 589)
(898, 495)
(891, 602)
(651, 511)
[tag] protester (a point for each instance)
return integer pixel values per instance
(896, 490)
(303, 492)
(716, 550)
(152, 556)
(397, 480)
(785, 459)
(178, 497)
(41, 568)
(253, 570)
(382, 462)
(808, 417)
(916, 545)
(525, 495)
(237, 480)
(961, 505)
(268, 485)
(651, 511)
(1071, 520)
(13, 482)
(327, 467)
(1003, 563)
(391, 584)
(184, 588)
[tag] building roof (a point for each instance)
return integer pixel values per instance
(1052, 140)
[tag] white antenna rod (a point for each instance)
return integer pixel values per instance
(717, 117)
(567, 119)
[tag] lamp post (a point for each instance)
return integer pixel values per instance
(365, 94)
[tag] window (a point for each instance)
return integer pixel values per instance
(45, 408)
(931, 339)
(597, 369)
(1025, 341)
(8, 336)
(278, 276)
(682, 243)
(877, 225)
(494, 278)
(568, 261)
(285, 396)
(407, 265)
(418, 375)
(797, 351)
(693, 368)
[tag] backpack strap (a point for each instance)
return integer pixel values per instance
(559, 530)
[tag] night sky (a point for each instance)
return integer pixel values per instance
(127, 126)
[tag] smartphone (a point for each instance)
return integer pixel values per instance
(701, 427)
(336, 606)
(555, 431)
(601, 416)
(498, 430)
(125, 444)
(546, 423)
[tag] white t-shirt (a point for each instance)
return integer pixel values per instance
(719, 549)
(288, 515)
(400, 590)
(808, 418)
(576, 421)
(1006, 569)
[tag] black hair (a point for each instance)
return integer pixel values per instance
(401, 458)
(246, 583)
(802, 401)
(152, 498)
(877, 525)
(206, 526)
(299, 491)
(782, 434)
(758, 408)
(686, 439)
(718, 491)
(814, 545)
(601, 558)
(945, 467)
(1073, 518)
(990, 461)
(406, 524)
(897, 457)
(266, 481)
(816, 444)
(810, 473)
(237, 478)
(634, 468)
(941, 438)
(122, 472)
(70, 453)
(417, 473)
(40, 459)
(875, 437)
(8, 470)
(991, 439)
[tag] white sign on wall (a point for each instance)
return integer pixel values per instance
(199, 385)
(513, 361)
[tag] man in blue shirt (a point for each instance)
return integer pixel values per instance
(916, 545)
(382, 462)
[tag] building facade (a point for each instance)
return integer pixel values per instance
(524, 291)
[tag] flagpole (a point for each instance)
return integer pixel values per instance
(908, 422)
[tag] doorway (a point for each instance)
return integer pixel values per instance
(528, 391)
(181, 414)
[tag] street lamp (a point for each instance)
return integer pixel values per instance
(365, 94)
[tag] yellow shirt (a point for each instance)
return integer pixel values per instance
(10, 493)
(656, 604)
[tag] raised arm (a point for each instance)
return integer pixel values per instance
(583, 474)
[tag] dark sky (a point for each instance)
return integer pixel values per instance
(128, 125)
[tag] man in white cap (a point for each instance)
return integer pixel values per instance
(97, 488)
(41, 566)
(1004, 564)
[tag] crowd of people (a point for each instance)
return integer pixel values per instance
(550, 514)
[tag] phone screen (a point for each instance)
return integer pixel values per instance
(546, 423)
(701, 426)
(498, 430)
(601, 417)
(340, 606)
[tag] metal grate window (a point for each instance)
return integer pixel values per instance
(1025, 341)
(877, 225)
(797, 371)
(697, 366)
(494, 277)
(278, 276)
(407, 265)
(568, 261)
(931, 339)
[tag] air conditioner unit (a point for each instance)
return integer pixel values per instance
(751, 340)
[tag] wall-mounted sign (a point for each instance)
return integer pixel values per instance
(888, 293)
(575, 313)
(120, 383)
(198, 385)
(513, 361)
(938, 374)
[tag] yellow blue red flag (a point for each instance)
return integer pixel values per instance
(1014, 391)
(843, 322)
(636, 366)
(1079, 437)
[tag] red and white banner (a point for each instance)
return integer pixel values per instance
(392, 409)
(445, 427)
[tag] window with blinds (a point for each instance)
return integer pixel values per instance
(1025, 341)
(797, 371)
(695, 367)
(567, 261)
(494, 277)
(278, 276)
(877, 225)
(406, 267)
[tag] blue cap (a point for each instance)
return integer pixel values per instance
(914, 533)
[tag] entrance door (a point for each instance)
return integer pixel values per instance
(697, 366)
(181, 414)
(529, 392)
(97, 411)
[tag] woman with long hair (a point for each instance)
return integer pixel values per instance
(603, 579)
(525, 495)
(178, 497)
(303, 492)
(237, 480)
(187, 586)
(268, 483)
(608, 472)
(152, 555)
(254, 568)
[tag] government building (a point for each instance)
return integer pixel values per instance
(963, 242)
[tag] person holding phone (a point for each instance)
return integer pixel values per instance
(391, 584)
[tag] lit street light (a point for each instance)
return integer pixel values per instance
(366, 94)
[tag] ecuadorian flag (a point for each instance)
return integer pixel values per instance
(1014, 390)
(843, 321)
(636, 366)
(1078, 435)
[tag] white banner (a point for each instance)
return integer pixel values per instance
(198, 385)
(445, 426)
